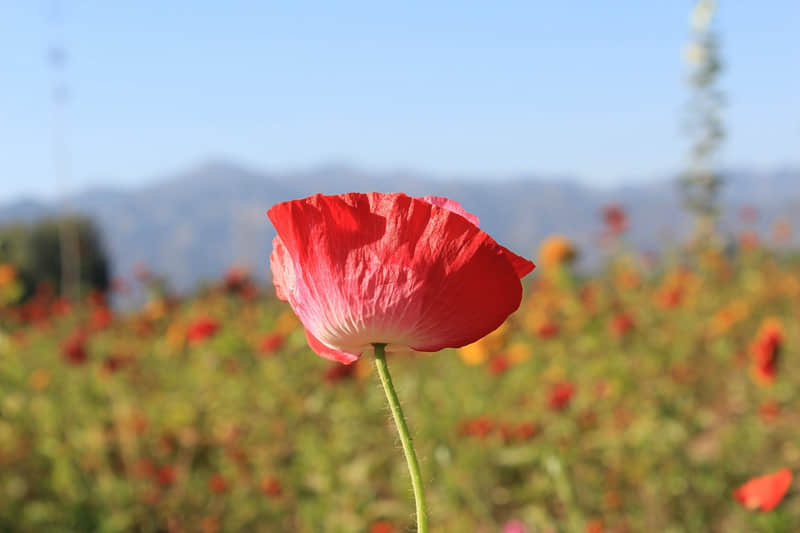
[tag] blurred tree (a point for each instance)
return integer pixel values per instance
(700, 183)
(36, 251)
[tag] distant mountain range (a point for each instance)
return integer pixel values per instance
(192, 226)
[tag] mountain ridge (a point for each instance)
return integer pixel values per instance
(192, 225)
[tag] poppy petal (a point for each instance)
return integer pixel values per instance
(330, 353)
(372, 268)
(282, 269)
(764, 492)
(452, 205)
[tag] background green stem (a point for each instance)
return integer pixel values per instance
(405, 437)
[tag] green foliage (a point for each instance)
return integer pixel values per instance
(35, 250)
(665, 422)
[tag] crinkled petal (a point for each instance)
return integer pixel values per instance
(452, 205)
(282, 269)
(330, 353)
(387, 268)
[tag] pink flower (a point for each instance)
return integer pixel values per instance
(416, 273)
(514, 526)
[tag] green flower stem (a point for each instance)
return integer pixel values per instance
(405, 437)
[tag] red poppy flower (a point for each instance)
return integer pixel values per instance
(73, 348)
(271, 487)
(409, 272)
(621, 324)
(167, 475)
(271, 343)
(615, 219)
(764, 492)
(547, 329)
(765, 351)
(217, 483)
(201, 329)
(499, 364)
(477, 427)
(381, 526)
(560, 395)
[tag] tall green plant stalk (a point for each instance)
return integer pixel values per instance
(701, 182)
(405, 437)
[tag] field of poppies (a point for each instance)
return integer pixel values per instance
(655, 395)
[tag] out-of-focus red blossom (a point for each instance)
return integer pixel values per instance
(765, 350)
(514, 526)
(764, 492)
(615, 219)
(560, 395)
(769, 411)
(60, 307)
(236, 278)
(499, 364)
(381, 526)
(594, 526)
(621, 324)
(217, 484)
(407, 272)
(477, 427)
(521, 432)
(271, 343)
(167, 475)
(547, 329)
(670, 297)
(101, 318)
(271, 487)
(73, 348)
(338, 372)
(239, 281)
(201, 329)
(527, 431)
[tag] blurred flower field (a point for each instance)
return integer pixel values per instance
(638, 399)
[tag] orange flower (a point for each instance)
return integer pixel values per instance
(557, 250)
(7, 274)
(764, 492)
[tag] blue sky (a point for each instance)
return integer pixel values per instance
(592, 90)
